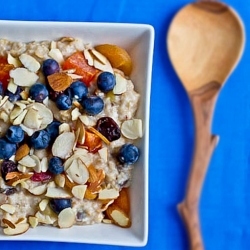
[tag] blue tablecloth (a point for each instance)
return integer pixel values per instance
(225, 201)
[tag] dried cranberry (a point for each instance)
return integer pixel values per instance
(109, 128)
(7, 167)
(43, 176)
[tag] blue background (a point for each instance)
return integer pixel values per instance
(225, 201)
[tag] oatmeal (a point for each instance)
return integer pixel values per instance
(67, 131)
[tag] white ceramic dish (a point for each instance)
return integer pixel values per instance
(138, 40)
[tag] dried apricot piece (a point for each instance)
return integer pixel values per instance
(4, 71)
(92, 142)
(117, 56)
(78, 62)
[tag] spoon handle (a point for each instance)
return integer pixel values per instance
(203, 102)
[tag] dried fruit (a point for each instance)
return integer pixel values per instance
(59, 81)
(78, 62)
(22, 151)
(118, 57)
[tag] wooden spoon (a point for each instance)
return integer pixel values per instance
(205, 42)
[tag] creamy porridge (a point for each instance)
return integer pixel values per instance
(67, 132)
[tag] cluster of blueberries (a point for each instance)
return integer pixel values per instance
(92, 105)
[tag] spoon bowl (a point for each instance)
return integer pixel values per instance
(205, 42)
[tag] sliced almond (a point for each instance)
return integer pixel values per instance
(38, 167)
(56, 54)
(79, 191)
(108, 194)
(23, 77)
(103, 152)
(60, 180)
(29, 62)
(44, 112)
(44, 218)
(38, 190)
(66, 218)
(32, 119)
(8, 208)
(86, 120)
(81, 127)
(75, 113)
(27, 161)
(33, 221)
(43, 204)
(78, 171)
(121, 84)
(19, 119)
(14, 61)
(19, 229)
(118, 216)
(57, 193)
(63, 145)
(59, 81)
(132, 129)
(64, 127)
(44, 164)
(88, 57)
(15, 113)
(29, 131)
(12, 87)
(8, 223)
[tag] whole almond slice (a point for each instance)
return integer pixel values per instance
(29, 62)
(63, 145)
(19, 229)
(32, 119)
(78, 171)
(66, 218)
(8, 208)
(121, 84)
(23, 77)
(132, 129)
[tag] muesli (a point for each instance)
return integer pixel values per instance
(67, 133)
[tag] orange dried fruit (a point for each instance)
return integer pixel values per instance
(78, 62)
(92, 142)
(117, 56)
(4, 71)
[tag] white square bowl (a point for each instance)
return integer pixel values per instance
(138, 40)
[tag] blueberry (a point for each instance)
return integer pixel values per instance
(40, 139)
(50, 66)
(79, 90)
(106, 81)
(58, 205)
(92, 105)
(128, 154)
(15, 134)
(53, 129)
(56, 165)
(1, 89)
(8, 166)
(7, 149)
(63, 102)
(13, 97)
(38, 92)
